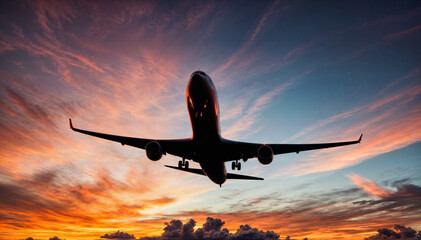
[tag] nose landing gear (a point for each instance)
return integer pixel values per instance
(183, 163)
(236, 165)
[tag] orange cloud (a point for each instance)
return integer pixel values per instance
(369, 186)
(58, 203)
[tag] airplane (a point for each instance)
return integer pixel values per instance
(206, 146)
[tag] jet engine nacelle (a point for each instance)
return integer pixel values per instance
(265, 154)
(153, 150)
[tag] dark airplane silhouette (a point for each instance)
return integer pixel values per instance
(207, 146)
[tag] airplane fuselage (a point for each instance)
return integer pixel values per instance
(203, 107)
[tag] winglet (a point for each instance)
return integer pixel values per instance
(71, 125)
(361, 136)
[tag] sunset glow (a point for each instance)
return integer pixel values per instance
(285, 72)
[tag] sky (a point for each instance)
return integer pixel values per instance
(285, 72)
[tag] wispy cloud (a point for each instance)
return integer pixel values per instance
(57, 200)
(402, 33)
(369, 186)
(247, 120)
(386, 125)
(50, 14)
(100, 87)
(274, 11)
(244, 56)
(393, 18)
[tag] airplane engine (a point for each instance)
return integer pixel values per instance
(153, 150)
(265, 154)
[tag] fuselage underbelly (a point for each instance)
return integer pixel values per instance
(202, 104)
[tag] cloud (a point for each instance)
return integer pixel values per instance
(403, 33)
(274, 11)
(51, 14)
(118, 235)
(195, 15)
(247, 232)
(343, 212)
(391, 121)
(55, 238)
(245, 122)
(211, 230)
(56, 197)
(413, 13)
(406, 195)
(401, 232)
(177, 230)
(369, 186)
(30, 123)
(55, 178)
(247, 60)
(37, 113)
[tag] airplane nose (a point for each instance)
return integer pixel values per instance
(197, 82)
(196, 77)
(197, 93)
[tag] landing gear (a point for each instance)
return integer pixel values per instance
(183, 163)
(236, 165)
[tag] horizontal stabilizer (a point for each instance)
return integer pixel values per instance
(243, 177)
(229, 175)
(190, 170)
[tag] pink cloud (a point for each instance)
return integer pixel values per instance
(52, 13)
(194, 15)
(390, 122)
(369, 186)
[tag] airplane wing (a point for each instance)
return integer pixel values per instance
(238, 150)
(177, 147)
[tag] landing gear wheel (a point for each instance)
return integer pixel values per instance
(236, 165)
(183, 163)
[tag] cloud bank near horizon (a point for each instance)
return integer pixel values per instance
(212, 230)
